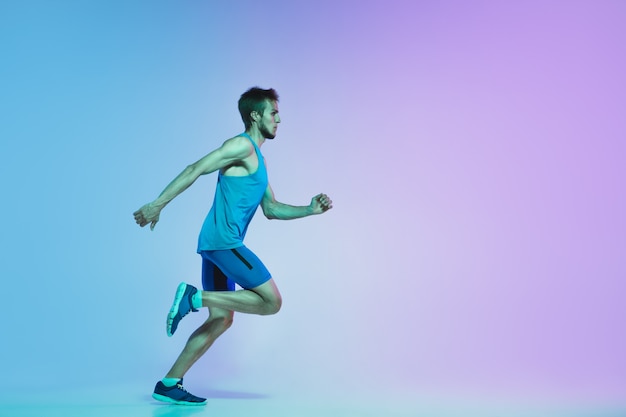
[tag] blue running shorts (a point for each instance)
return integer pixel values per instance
(222, 269)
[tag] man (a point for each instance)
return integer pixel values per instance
(242, 186)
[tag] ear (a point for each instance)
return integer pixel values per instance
(255, 116)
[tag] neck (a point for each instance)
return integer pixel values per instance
(256, 135)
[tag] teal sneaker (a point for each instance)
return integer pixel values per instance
(181, 307)
(176, 395)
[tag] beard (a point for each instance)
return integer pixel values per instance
(266, 133)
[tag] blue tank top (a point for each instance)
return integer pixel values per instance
(236, 200)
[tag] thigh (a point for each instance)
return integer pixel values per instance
(240, 265)
(213, 279)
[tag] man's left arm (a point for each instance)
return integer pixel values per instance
(273, 209)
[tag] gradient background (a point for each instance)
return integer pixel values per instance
(475, 152)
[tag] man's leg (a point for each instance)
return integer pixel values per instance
(201, 340)
(264, 299)
(170, 389)
(260, 296)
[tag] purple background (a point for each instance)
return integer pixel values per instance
(474, 151)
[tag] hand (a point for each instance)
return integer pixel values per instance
(147, 214)
(320, 204)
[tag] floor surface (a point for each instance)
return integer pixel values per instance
(134, 400)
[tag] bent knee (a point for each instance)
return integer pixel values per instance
(227, 322)
(274, 305)
(224, 322)
(271, 298)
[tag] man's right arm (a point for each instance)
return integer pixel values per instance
(230, 152)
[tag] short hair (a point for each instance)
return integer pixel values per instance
(254, 100)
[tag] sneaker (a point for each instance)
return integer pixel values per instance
(176, 395)
(181, 307)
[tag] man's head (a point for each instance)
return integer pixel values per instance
(254, 102)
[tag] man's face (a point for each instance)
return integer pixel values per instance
(270, 120)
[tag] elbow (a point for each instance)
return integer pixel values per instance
(192, 172)
(269, 213)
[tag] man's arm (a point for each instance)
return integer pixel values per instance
(273, 209)
(230, 152)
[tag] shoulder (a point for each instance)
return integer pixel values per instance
(239, 146)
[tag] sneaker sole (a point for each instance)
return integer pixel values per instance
(165, 399)
(180, 291)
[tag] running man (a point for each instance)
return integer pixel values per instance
(242, 186)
